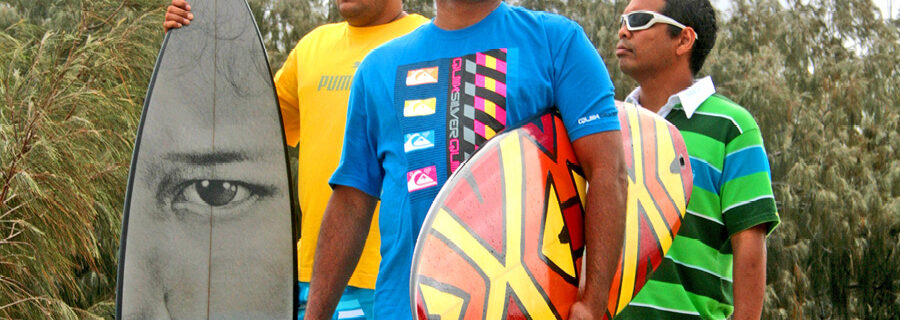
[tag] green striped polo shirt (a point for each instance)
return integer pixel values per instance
(732, 192)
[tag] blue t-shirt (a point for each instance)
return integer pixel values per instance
(421, 104)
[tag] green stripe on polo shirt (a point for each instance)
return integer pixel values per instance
(660, 300)
(706, 203)
(748, 139)
(667, 296)
(751, 214)
(715, 126)
(745, 188)
(708, 232)
(729, 108)
(703, 147)
(637, 311)
(702, 282)
(692, 252)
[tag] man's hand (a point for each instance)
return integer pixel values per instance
(178, 14)
(580, 311)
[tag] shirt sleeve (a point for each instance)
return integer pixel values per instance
(746, 189)
(286, 85)
(360, 166)
(584, 91)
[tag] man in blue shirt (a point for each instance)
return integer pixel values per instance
(422, 104)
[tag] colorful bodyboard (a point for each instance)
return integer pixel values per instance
(208, 231)
(504, 238)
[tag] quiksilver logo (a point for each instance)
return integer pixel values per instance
(418, 141)
(422, 76)
(416, 108)
(421, 178)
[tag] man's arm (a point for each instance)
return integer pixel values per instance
(345, 227)
(601, 157)
(749, 272)
(286, 84)
(178, 14)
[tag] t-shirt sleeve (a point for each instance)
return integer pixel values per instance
(746, 189)
(584, 91)
(286, 86)
(360, 166)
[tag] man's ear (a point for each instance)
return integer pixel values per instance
(686, 41)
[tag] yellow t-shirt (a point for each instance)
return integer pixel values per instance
(313, 90)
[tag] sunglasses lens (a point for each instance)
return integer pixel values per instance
(639, 19)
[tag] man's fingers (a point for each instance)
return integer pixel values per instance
(177, 15)
(178, 12)
(171, 25)
(170, 17)
(181, 4)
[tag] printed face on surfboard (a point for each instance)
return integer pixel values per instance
(209, 226)
(228, 177)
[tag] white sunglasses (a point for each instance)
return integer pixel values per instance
(643, 19)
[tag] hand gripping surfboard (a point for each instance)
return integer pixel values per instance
(504, 238)
(208, 229)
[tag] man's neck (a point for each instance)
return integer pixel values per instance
(391, 14)
(460, 14)
(656, 89)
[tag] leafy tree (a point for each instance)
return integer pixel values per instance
(823, 89)
(72, 79)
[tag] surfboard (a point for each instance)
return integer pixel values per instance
(504, 237)
(207, 227)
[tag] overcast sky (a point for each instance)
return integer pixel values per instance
(884, 5)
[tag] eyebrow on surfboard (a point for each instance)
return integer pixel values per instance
(209, 158)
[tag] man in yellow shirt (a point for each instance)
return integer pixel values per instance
(313, 88)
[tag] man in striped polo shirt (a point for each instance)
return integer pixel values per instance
(717, 264)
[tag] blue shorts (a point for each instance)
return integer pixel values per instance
(355, 304)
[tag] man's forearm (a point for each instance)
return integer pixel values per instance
(342, 236)
(604, 228)
(749, 272)
(604, 221)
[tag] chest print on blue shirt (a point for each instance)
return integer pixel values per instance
(461, 99)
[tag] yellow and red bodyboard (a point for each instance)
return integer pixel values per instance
(504, 238)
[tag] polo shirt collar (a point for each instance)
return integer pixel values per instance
(690, 98)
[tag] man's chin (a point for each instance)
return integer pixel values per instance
(625, 67)
(349, 10)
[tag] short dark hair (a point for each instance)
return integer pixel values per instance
(699, 15)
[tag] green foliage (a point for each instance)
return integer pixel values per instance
(283, 22)
(822, 78)
(8, 15)
(823, 91)
(72, 83)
